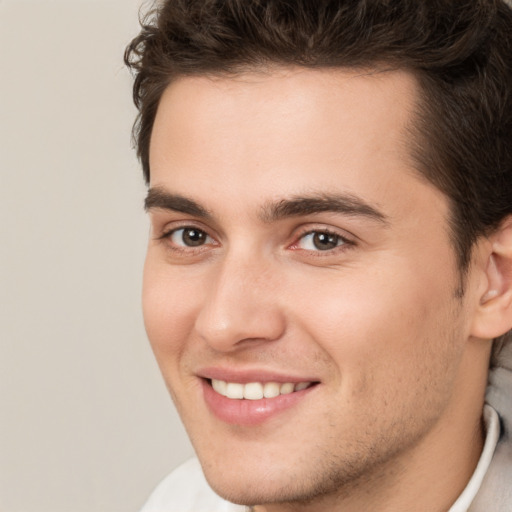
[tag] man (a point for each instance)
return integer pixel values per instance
(328, 283)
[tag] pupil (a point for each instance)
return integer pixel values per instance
(193, 237)
(325, 241)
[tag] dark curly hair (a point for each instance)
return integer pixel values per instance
(459, 50)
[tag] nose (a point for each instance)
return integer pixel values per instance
(241, 306)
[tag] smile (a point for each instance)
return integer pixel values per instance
(256, 390)
(252, 403)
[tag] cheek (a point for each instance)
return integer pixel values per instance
(386, 325)
(167, 304)
(395, 354)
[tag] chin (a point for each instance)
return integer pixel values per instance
(249, 486)
(249, 493)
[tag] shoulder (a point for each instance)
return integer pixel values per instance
(496, 492)
(186, 490)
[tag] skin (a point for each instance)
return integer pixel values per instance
(375, 320)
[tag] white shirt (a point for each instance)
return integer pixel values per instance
(186, 489)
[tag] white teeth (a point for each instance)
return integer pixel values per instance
(234, 390)
(287, 388)
(253, 391)
(256, 390)
(271, 390)
(219, 386)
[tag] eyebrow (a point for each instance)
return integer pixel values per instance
(296, 206)
(346, 204)
(159, 199)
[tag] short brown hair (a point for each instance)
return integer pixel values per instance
(459, 50)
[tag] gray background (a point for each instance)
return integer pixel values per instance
(85, 420)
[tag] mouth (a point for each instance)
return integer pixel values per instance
(253, 402)
(256, 390)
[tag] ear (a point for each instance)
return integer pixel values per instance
(494, 311)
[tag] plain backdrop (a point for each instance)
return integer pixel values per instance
(86, 424)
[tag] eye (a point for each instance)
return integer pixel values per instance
(189, 237)
(320, 241)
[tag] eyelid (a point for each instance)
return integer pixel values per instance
(174, 233)
(164, 236)
(348, 241)
(170, 227)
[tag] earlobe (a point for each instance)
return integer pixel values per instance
(494, 312)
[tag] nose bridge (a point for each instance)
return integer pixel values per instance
(240, 304)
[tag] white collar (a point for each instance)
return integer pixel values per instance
(492, 427)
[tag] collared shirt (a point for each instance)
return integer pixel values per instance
(492, 427)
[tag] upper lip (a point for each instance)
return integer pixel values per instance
(244, 376)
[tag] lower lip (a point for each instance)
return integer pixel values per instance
(250, 412)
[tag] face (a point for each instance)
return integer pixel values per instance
(297, 259)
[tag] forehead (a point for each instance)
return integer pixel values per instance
(291, 103)
(286, 131)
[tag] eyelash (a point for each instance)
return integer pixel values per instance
(343, 242)
(167, 236)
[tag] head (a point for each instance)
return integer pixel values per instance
(460, 53)
(408, 127)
